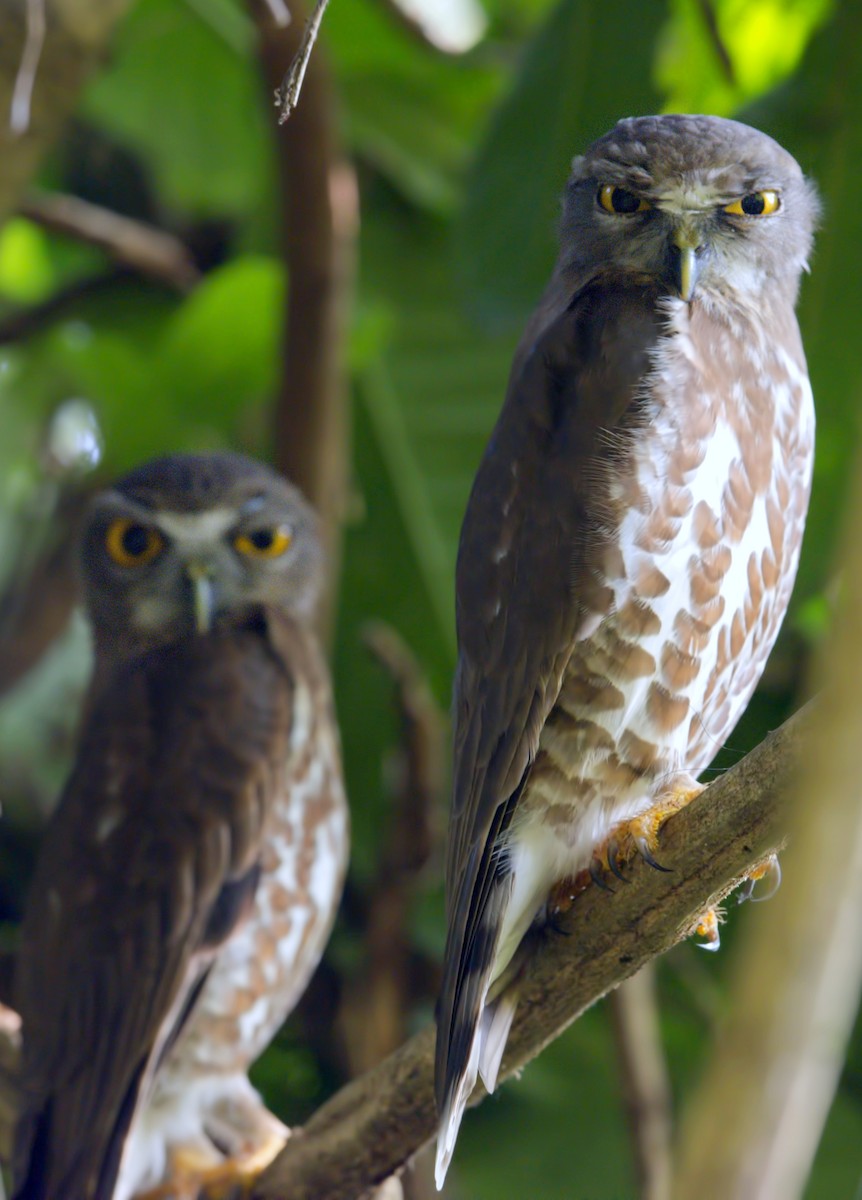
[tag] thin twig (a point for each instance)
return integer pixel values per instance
(29, 322)
(40, 598)
(287, 93)
(379, 1001)
(143, 248)
(73, 45)
(710, 20)
(25, 80)
(645, 1081)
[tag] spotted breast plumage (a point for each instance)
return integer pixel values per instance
(630, 543)
(189, 878)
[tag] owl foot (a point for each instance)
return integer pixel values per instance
(234, 1179)
(707, 928)
(770, 870)
(639, 836)
(188, 1165)
(199, 1173)
(563, 895)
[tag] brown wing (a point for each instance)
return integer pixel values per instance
(145, 869)
(524, 586)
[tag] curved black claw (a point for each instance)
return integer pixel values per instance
(648, 857)
(597, 876)
(553, 923)
(614, 864)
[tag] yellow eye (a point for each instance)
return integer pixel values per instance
(131, 544)
(619, 202)
(755, 204)
(264, 543)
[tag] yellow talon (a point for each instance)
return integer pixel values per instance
(639, 836)
(707, 928)
(197, 1174)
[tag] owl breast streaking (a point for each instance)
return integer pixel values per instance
(188, 881)
(630, 543)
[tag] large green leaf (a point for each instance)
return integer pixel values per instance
(584, 70)
(411, 112)
(714, 63)
(818, 116)
(184, 92)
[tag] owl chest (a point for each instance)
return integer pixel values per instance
(265, 966)
(695, 573)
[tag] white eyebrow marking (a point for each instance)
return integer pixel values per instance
(253, 505)
(196, 527)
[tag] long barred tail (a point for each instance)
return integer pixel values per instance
(471, 1033)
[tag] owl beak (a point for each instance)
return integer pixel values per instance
(203, 601)
(685, 251)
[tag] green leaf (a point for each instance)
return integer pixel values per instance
(584, 70)
(410, 111)
(220, 351)
(752, 48)
(188, 100)
(818, 117)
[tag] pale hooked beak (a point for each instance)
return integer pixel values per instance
(202, 595)
(688, 267)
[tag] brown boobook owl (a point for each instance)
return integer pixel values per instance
(630, 543)
(187, 883)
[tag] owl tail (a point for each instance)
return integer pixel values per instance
(486, 1054)
(476, 1011)
(485, 960)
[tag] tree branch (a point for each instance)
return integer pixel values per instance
(375, 1007)
(75, 35)
(373, 1125)
(143, 248)
(321, 210)
(40, 597)
(645, 1081)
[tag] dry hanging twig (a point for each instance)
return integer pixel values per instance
(25, 80)
(287, 93)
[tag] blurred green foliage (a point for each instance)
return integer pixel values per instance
(461, 161)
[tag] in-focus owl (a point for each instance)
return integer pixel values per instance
(189, 878)
(631, 539)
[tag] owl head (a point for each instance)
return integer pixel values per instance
(184, 539)
(708, 206)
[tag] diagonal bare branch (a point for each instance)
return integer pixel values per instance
(134, 244)
(374, 1124)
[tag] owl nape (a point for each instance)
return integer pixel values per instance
(170, 925)
(629, 546)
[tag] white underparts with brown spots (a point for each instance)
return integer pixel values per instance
(693, 580)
